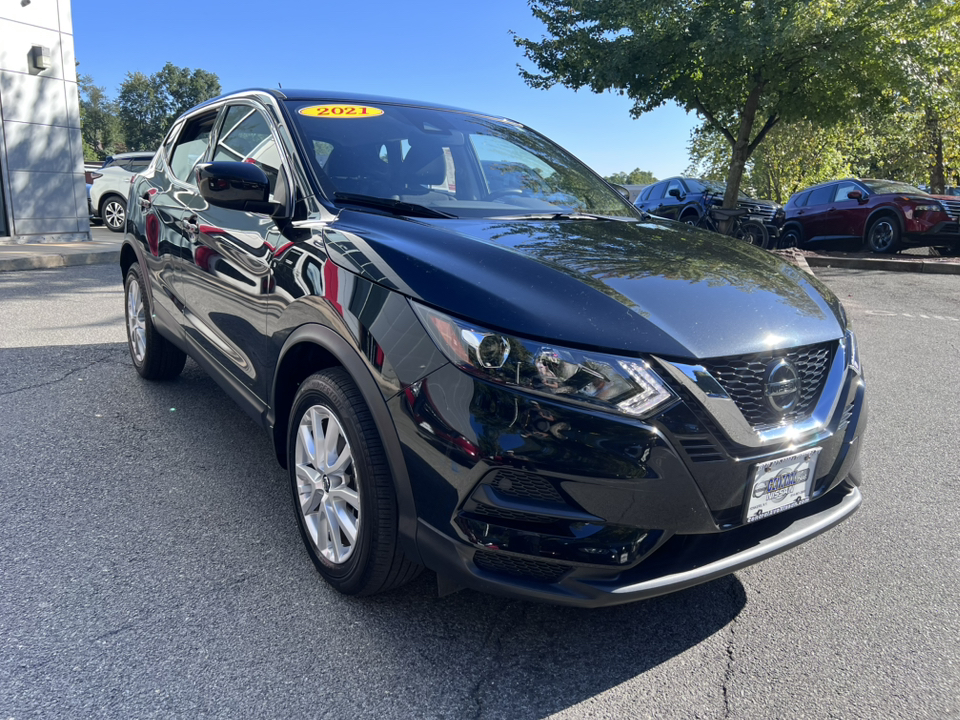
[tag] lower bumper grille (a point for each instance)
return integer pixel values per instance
(519, 567)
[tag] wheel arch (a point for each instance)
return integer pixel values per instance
(310, 349)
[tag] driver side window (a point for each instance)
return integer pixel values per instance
(191, 147)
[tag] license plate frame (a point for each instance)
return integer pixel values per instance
(780, 484)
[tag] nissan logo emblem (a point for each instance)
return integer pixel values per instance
(781, 389)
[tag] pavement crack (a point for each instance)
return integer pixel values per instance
(48, 383)
(728, 668)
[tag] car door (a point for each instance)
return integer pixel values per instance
(227, 274)
(164, 196)
(670, 205)
(845, 217)
(651, 202)
(813, 215)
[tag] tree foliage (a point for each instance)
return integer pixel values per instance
(634, 177)
(744, 65)
(98, 122)
(148, 105)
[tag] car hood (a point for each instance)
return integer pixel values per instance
(619, 286)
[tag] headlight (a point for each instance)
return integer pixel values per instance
(853, 352)
(931, 207)
(606, 382)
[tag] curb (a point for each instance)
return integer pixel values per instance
(917, 266)
(48, 262)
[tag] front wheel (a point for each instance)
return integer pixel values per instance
(754, 233)
(343, 491)
(789, 238)
(884, 236)
(114, 213)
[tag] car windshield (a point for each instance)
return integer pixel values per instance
(455, 164)
(711, 186)
(891, 187)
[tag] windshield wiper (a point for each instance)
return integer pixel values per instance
(574, 215)
(397, 206)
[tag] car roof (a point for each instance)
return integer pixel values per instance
(336, 96)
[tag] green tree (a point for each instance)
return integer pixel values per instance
(635, 177)
(147, 106)
(99, 128)
(743, 65)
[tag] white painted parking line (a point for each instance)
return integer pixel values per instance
(888, 313)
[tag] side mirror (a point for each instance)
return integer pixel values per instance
(622, 190)
(675, 192)
(235, 186)
(855, 195)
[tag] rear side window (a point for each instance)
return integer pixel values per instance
(191, 147)
(646, 193)
(821, 196)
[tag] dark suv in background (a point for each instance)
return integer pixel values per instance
(884, 215)
(686, 199)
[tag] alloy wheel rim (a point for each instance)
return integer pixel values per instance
(136, 322)
(113, 214)
(327, 493)
(882, 234)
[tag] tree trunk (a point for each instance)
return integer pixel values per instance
(935, 139)
(741, 148)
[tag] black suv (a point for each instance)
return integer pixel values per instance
(472, 354)
(686, 199)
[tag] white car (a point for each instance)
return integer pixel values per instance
(111, 183)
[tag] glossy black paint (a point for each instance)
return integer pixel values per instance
(262, 302)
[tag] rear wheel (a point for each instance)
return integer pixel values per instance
(154, 357)
(754, 233)
(884, 235)
(113, 212)
(343, 491)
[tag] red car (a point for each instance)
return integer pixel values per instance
(884, 214)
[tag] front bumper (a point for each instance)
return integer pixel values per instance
(522, 497)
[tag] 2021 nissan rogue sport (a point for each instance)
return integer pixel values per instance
(527, 386)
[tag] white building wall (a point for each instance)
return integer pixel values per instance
(41, 153)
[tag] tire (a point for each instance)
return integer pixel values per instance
(690, 219)
(346, 508)
(883, 235)
(113, 212)
(154, 357)
(754, 233)
(790, 238)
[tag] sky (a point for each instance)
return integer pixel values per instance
(452, 53)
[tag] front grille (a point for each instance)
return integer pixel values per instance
(952, 206)
(525, 485)
(519, 567)
(759, 210)
(743, 378)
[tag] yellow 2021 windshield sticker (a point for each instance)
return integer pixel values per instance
(340, 111)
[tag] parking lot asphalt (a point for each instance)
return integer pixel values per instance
(104, 248)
